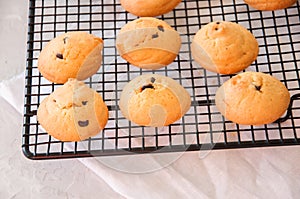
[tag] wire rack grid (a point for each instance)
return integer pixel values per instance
(202, 128)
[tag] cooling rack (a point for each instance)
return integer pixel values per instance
(202, 128)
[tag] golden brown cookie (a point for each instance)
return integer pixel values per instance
(154, 100)
(148, 43)
(71, 55)
(149, 8)
(224, 47)
(270, 4)
(73, 112)
(252, 98)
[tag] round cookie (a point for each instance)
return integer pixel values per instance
(270, 4)
(149, 8)
(224, 47)
(252, 98)
(148, 43)
(154, 100)
(71, 55)
(73, 112)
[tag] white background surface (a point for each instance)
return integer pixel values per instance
(243, 173)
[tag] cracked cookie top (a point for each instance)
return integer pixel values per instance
(73, 112)
(252, 98)
(71, 55)
(224, 47)
(148, 43)
(154, 100)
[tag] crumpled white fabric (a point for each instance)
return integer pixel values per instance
(238, 173)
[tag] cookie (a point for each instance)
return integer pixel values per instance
(224, 47)
(154, 100)
(252, 98)
(148, 43)
(73, 112)
(71, 55)
(270, 4)
(149, 8)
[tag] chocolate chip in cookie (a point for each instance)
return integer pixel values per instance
(148, 86)
(155, 36)
(59, 56)
(83, 123)
(65, 40)
(152, 79)
(161, 28)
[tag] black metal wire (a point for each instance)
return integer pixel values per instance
(202, 128)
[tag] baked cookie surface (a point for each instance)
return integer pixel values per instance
(148, 43)
(71, 55)
(224, 47)
(270, 4)
(149, 8)
(154, 100)
(73, 112)
(252, 98)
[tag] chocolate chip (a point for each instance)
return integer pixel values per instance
(257, 88)
(83, 123)
(65, 40)
(152, 79)
(217, 27)
(147, 86)
(59, 56)
(155, 36)
(84, 102)
(161, 28)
